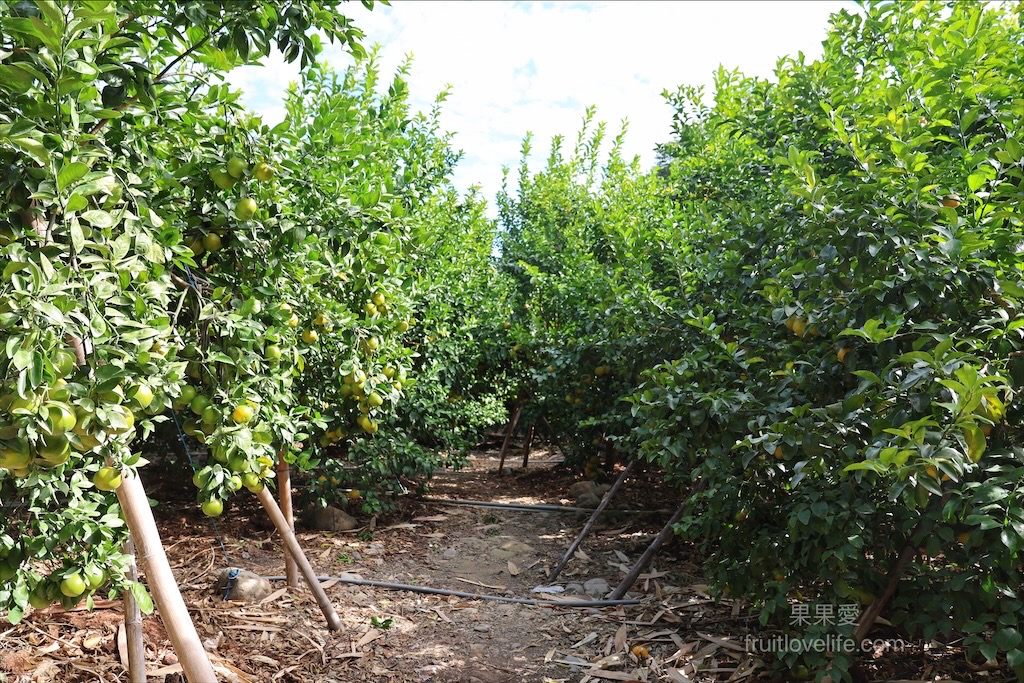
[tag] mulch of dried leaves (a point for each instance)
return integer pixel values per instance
(677, 633)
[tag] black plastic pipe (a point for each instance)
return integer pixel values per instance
(470, 596)
(535, 508)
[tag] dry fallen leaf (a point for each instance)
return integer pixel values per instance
(589, 638)
(513, 569)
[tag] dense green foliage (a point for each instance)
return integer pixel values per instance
(807, 317)
(169, 258)
(812, 311)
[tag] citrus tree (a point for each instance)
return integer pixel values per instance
(851, 406)
(815, 318)
(96, 263)
(579, 239)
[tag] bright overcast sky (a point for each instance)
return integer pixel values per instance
(522, 66)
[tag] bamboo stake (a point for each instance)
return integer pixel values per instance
(529, 445)
(590, 522)
(292, 545)
(508, 435)
(284, 494)
(173, 612)
(648, 555)
(133, 624)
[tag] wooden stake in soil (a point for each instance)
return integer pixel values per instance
(284, 494)
(169, 603)
(529, 445)
(133, 624)
(590, 522)
(295, 550)
(648, 555)
(513, 423)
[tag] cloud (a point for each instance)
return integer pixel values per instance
(518, 67)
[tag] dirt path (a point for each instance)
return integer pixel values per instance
(389, 636)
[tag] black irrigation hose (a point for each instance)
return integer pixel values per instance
(523, 507)
(471, 596)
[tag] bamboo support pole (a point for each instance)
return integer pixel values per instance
(513, 423)
(590, 522)
(284, 494)
(169, 603)
(133, 624)
(292, 545)
(645, 559)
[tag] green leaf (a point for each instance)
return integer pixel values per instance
(141, 595)
(98, 218)
(34, 149)
(76, 203)
(100, 183)
(974, 439)
(70, 173)
(976, 180)
(14, 79)
(1007, 638)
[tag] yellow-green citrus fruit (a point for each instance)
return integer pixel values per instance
(213, 507)
(107, 479)
(142, 395)
(263, 171)
(73, 586)
(242, 414)
(245, 209)
(198, 404)
(236, 167)
(63, 363)
(60, 418)
(211, 242)
(94, 576)
(222, 178)
(55, 450)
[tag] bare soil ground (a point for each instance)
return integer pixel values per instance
(676, 632)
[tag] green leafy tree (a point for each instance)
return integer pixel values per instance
(93, 223)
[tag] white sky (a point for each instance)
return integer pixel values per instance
(536, 66)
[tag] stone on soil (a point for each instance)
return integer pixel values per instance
(330, 519)
(597, 588)
(248, 587)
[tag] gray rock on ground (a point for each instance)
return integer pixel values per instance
(511, 550)
(581, 487)
(588, 500)
(247, 586)
(588, 488)
(329, 519)
(598, 588)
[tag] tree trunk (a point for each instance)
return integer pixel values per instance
(513, 423)
(529, 446)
